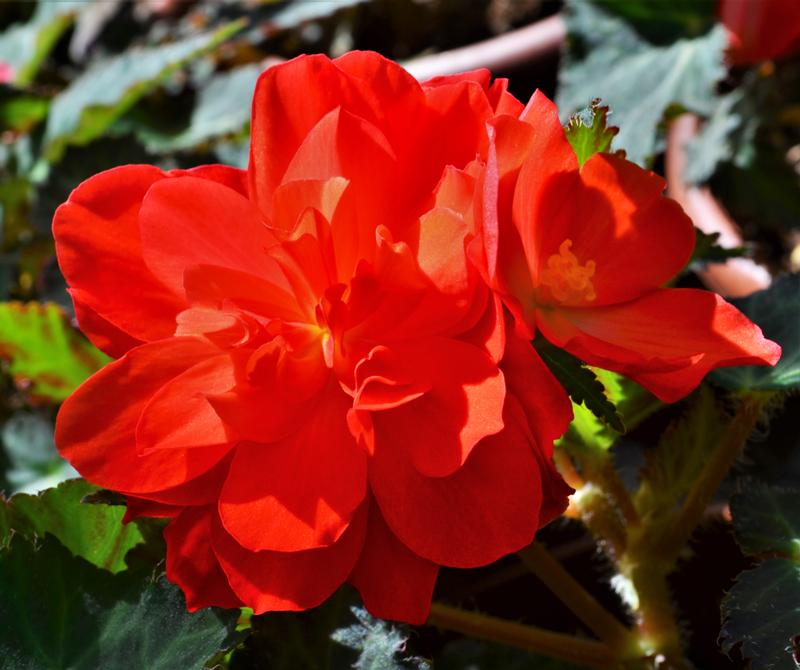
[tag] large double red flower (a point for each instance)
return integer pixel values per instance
(313, 383)
(580, 253)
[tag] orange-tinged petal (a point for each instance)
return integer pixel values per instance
(667, 340)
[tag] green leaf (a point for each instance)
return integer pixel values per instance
(580, 383)
(673, 465)
(777, 311)
(94, 532)
(588, 132)
(94, 100)
(762, 614)
(218, 112)
(58, 612)
(633, 403)
(766, 519)
(707, 249)
(291, 640)
(638, 80)
(35, 462)
(380, 645)
(25, 46)
(47, 357)
(20, 111)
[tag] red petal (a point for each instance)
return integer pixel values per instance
(667, 340)
(616, 216)
(487, 509)
(104, 334)
(186, 221)
(529, 380)
(99, 251)
(222, 174)
(457, 401)
(96, 425)
(192, 563)
(393, 581)
(179, 415)
(281, 121)
(299, 493)
(289, 581)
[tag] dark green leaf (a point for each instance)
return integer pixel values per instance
(673, 465)
(291, 640)
(58, 612)
(777, 311)
(762, 613)
(94, 532)
(93, 101)
(708, 250)
(580, 383)
(638, 80)
(767, 519)
(633, 403)
(380, 645)
(589, 133)
(47, 357)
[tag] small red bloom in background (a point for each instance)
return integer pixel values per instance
(761, 29)
(313, 382)
(581, 253)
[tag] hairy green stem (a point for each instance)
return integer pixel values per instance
(556, 645)
(713, 474)
(599, 620)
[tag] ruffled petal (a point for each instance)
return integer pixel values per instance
(487, 509)
(456, 399)
(179, 415)
(192, 563)
(187, 221)
(96, 424)
(289, 581)
(100, 220)
(667, 340)
(393, 581)
(281, 123)
(299, 493)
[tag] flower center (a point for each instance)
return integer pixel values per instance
(565, 278)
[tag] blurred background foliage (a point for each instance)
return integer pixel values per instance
(87, 85)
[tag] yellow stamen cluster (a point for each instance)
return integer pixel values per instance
(565, 278)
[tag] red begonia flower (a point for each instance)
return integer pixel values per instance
(313, 382)
(761, 29)
(581, 253)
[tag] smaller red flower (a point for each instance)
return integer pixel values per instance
(761, 29)
(581, 255)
